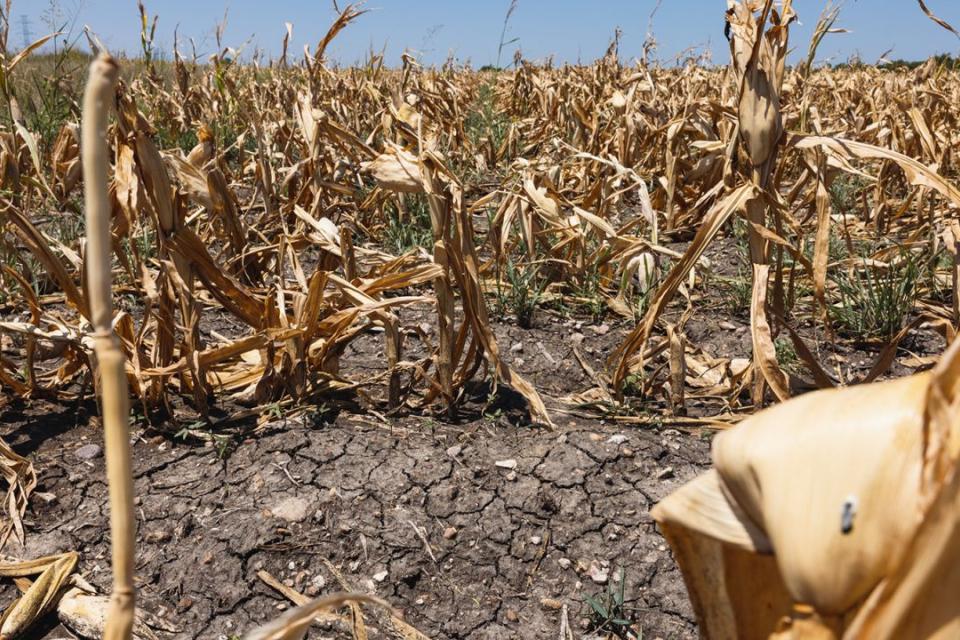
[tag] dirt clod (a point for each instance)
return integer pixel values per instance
(291, 509)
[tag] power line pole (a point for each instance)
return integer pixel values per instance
(26, 31)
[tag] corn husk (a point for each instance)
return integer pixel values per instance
(830, 500)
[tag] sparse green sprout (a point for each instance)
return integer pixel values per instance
(522, 293)
(408, 226)
(610, 613)
(875, 301)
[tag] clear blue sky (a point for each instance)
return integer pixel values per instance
(569, 29)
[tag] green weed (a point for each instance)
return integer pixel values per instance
(874, 302)
(737, 292)
(523, 293)
(610, 614)
(408, 226)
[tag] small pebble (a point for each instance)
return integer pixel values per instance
(598, 574)
(88, 452)
(450, 533)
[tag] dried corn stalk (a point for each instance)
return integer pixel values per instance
(114, 394)
(759, 59)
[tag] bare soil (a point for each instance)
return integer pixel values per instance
(373, 498)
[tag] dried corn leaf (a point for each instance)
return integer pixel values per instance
(942, 23)
(293, 624)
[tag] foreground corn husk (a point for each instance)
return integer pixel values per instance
(832, 515)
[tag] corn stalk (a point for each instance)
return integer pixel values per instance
(110, 359)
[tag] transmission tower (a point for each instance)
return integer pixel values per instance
(25, 30)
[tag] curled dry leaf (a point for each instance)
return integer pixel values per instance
(397, 170)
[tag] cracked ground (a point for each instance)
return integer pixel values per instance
(478, 530)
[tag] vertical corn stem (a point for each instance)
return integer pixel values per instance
(440, 219)
(952, 241)
(439, 202)
(758, 55)
(110, 359)
(759, 256)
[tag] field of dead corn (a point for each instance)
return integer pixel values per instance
(293, 348)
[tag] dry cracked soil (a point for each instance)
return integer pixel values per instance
(481, 530)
